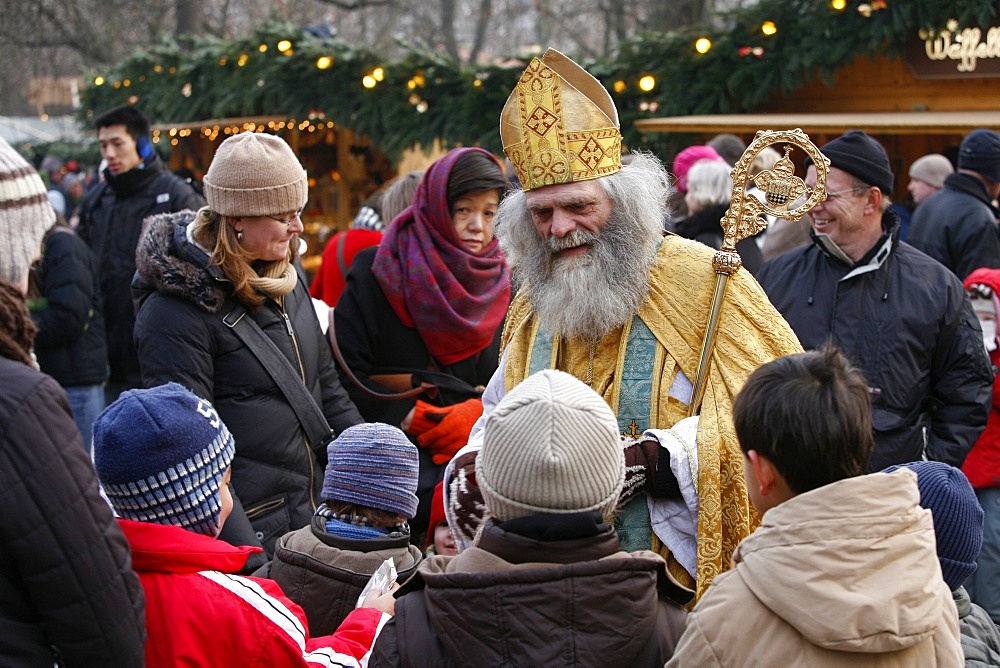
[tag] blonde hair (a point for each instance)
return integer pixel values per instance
(764, 160)
(250, 285)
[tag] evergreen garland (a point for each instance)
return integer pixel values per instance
(426, 95)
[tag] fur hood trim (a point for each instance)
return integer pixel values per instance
(167, 262)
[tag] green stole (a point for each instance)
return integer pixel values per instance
(635, 396)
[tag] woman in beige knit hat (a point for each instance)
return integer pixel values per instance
(209, 284)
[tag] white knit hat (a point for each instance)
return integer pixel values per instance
(255, 174)
(25, 214)
(551, 447)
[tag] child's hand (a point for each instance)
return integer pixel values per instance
(382, 600)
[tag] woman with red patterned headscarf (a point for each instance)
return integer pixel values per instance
(427, 305)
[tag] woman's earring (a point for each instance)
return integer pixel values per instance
(239, 235)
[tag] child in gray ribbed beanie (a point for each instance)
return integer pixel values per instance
(551, 447)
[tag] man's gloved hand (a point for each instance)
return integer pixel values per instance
(444, 430)
(647, 470)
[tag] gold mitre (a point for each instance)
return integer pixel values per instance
(560, 124)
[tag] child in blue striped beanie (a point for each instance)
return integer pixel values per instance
(369, 495)
(163, 456)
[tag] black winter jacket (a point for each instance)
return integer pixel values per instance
(540, 597)
(907, 324)
(70, 343)
(957, 226)
(704, 226)
(111, 220)
(180, 303)
(67, 591)
(374, 341)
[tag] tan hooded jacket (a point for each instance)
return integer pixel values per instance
(844, 575)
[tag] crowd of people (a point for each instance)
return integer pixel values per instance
(478, 435)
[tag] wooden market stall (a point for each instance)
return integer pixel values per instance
(913, 104)
(343, 168)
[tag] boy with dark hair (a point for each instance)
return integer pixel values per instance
(843, 567)
(136, 185)
(136, 124)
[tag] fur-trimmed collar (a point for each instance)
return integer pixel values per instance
(167, 262)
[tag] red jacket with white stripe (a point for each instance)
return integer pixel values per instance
(198, 614)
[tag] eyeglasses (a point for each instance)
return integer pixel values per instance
(295, 216)
(832, 196)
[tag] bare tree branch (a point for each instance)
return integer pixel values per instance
(482, 23)
(359, 4)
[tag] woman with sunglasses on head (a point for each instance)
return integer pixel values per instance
(200, 274)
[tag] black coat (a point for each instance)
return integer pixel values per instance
(957, 226)
(70, 343)
(181, 337)
(67, 588)
(374, 341)
(704, 226)
(111, 221)
(907, 324)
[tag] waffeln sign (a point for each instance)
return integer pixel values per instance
(955, 53)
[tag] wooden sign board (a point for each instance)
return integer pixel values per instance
(955, 53)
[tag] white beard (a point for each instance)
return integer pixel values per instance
(589, 295)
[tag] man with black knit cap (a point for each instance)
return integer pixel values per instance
(900, 316)
(957, 226)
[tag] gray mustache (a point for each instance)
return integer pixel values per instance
(571, 240)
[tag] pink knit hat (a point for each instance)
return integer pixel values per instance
(686, 158)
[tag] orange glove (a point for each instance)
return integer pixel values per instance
(444, 430)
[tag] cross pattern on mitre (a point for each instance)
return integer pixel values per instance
(541, 121)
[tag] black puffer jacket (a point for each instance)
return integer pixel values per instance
(67, 591)
(111, 220)
(70, 342)
(957, 226)
(906, 322)
(704, 226)
(180, 303)
(545, 599)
